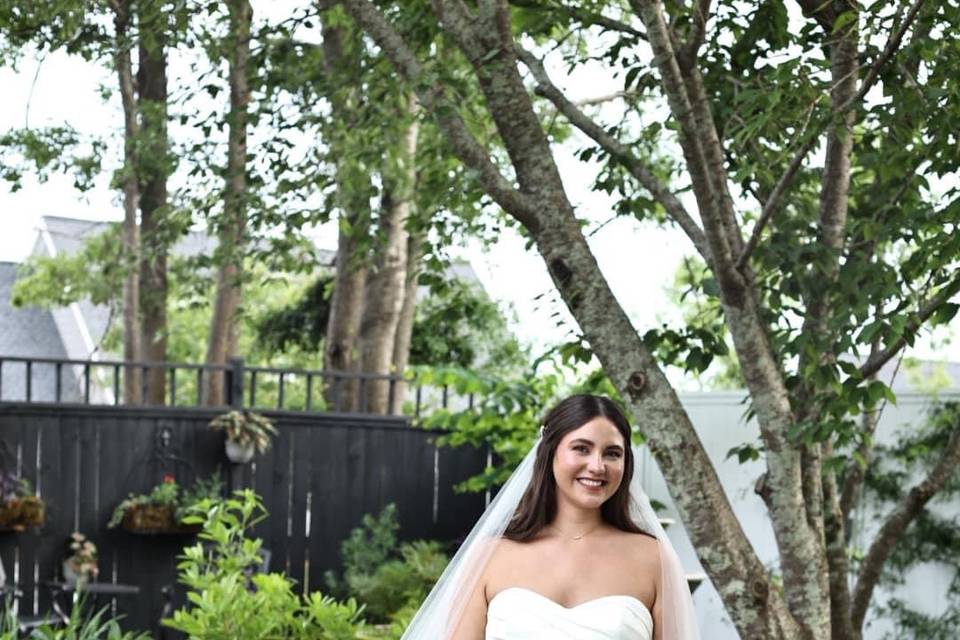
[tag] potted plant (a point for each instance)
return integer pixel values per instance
(162, 509)
(19, 507)
(80, 567)
(247, 433)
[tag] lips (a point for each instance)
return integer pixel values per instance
(592, 483)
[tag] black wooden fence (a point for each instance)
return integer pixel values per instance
(324, 472)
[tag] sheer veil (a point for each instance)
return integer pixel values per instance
(441, 611)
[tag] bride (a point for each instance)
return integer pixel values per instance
(569, 550)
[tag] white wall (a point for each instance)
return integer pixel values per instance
(719, 419)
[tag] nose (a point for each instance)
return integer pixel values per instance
(596, 464)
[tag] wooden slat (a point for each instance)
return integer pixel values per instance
(456, 465)
(274, 487)
(49, 545)
(302, 472)
(329, 499)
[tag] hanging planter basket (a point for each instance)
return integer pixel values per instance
(239, 453)
(247, 434)
(18, 514)
(150, 519)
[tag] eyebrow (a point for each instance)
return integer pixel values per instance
(591, 443)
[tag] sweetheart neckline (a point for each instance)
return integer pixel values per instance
(576, 606)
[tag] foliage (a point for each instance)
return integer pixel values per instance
(458, 325)
(169, 493)
(933, 537)
(95, 273)
(81, 625)
(385, 578)
(12, 486)
(41, 152)
(226, 601)
(246, 428)
(19, 507)
(302, 324)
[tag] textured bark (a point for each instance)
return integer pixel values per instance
(350, 280)
(401, 346)
(387, 284)
(222, 338)
(835, 537)
(897, 522)
(853, 478)
(152, 85)
(132, 345)
(798, 540)
(834, 197)
(542, 206)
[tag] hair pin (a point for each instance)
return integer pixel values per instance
(541, 431)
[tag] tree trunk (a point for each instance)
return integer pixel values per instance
(340, 354)
(222, 342)
(541, 205)
(386, 288)
(132, 345)
(408, 313)
(153, 170)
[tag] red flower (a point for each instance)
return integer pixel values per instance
(168, 479)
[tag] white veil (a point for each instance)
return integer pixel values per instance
(441, 611)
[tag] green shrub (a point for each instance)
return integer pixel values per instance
(224, 601)
(385, 578)
(82, 625)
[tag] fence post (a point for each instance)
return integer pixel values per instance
(236, 383)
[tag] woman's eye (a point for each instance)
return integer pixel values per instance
(580, 448)
(615, 454)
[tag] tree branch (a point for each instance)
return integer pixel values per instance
(897, 522)
(433, 97)
(618, 151)
(873, 364)
(588, 18)
(772, 205)
(610, 97)
(687, 53)
(691, 141)
(893, 43)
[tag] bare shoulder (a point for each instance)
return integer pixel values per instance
(643, 548)
(504, 552)
(509, 562)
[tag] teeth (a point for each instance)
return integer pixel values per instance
(590, 483)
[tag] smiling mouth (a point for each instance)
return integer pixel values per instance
(591, 483)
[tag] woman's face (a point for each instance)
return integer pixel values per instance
(588, 464)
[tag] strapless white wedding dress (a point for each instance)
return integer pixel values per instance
(521, 614)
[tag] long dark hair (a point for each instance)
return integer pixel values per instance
(538, 506)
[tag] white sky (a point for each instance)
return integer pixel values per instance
(638, 260)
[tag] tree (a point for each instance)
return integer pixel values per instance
(223, 324)
(75, 27)
(823, 273)
(153, 167)
(132, 327)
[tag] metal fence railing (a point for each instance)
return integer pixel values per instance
(101, 382)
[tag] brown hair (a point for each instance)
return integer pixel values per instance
(538, 506)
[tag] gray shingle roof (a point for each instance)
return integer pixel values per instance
(28, 332)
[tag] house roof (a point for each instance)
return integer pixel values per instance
(27, 332)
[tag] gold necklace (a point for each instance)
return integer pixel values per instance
(577, 537)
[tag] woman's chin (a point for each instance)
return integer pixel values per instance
(586, 499)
